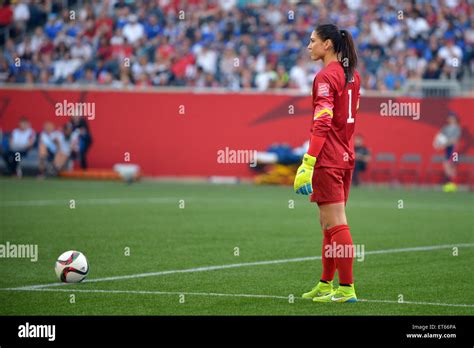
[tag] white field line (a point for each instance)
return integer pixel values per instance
(420, 303)
(88, 201)
(165, 200)
(239, 265)
(145, 292)
(215, 294)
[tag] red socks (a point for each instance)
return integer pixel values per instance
(329, 265)
(339, 238)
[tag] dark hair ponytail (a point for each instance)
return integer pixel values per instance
(343, 46)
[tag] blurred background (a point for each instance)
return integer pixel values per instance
(220, 90)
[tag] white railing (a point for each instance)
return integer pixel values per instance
(413, 88)
(432, 88)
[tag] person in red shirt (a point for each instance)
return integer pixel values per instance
(6, 14)
(104, 24)
(327, 167)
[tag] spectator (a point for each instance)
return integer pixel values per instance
(452, 132)
(65, 66)
(81, 50)
(451, 55)
(362, 158)
(54, 26)
(207, 59)
(141, 66)
(21, 13)
(47, 149)
(381, 32)
(299, 77)
(394, 77)
(282, 78)
(152, 27)
(417, 25)
(37, 39)
(266, 79)
(80, 127)
(227, 65)
(5, 72)
(88, 79)
(432, 71)
(6, 14)
(104, 25)
(133, 30)
(45, 77)
(21, 141)
(227, 5)
(246, 79)
(278, 46)
(56, 148)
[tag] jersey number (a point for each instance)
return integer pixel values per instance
(350, 119)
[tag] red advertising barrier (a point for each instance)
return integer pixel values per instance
(181, 133)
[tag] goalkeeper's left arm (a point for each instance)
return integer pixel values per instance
(322, 120)
(304, 174)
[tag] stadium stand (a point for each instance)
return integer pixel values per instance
(234, 44)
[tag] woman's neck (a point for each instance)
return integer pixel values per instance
(329, 58)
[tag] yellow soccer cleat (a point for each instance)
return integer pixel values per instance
(450, 187)
(321, 289)
(342, 294)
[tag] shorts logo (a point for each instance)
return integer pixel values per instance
(323, 89)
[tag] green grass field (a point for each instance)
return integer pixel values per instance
(163, 236)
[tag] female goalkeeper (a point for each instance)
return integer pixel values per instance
(327, 167)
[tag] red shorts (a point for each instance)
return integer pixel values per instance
(331, 185)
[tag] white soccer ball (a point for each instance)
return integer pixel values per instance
(440, 141)
(71, 267)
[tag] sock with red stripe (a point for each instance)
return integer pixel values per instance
(329, 264)
(344, 252)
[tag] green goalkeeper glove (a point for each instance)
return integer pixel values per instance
(304, 176)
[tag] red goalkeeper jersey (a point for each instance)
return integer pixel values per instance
(335, 106)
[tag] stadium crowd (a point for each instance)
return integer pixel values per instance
(233, 44)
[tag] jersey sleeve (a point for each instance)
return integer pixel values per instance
(323, 91)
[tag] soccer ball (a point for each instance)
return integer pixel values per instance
(71, 267)
(440, 141)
